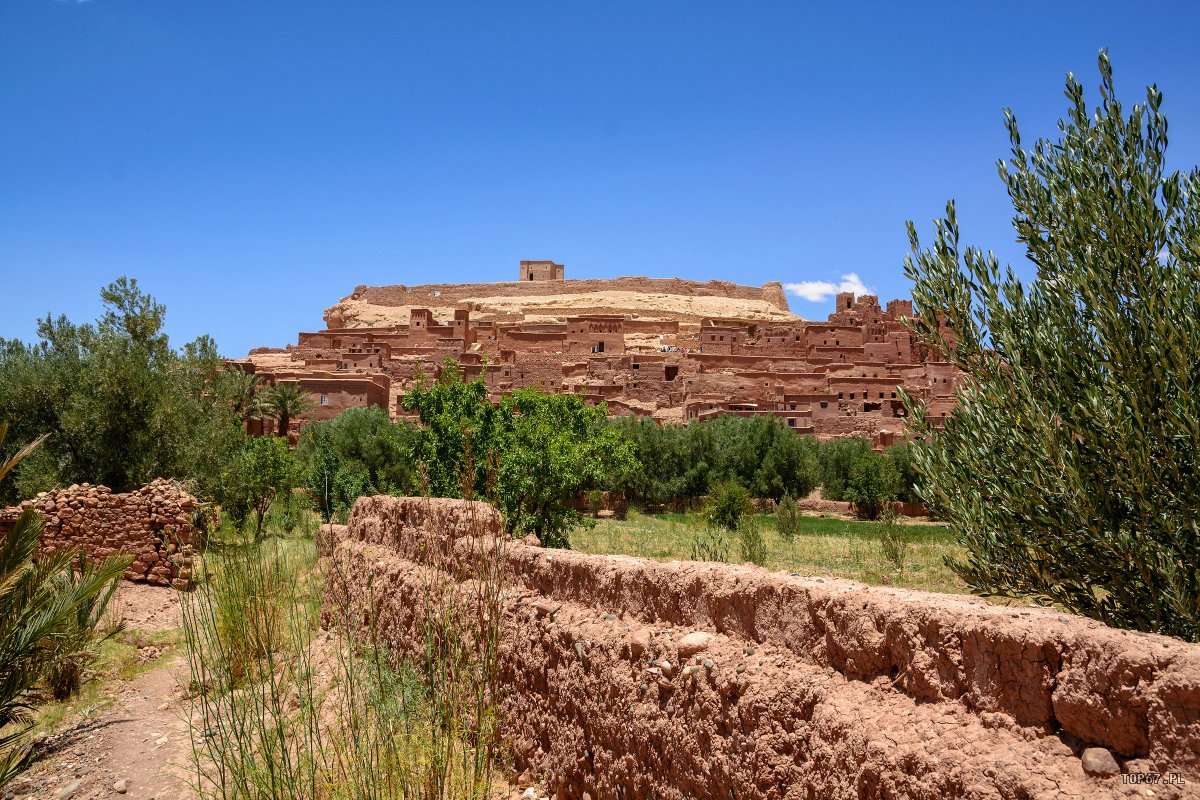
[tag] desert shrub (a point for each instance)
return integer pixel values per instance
(893, 539)
(872, 484)
(1068, 468)
(710, 544)
(788, 519)
(751, 542)
(837, 457)
(727, 504)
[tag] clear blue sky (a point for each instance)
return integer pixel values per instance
(250, 163)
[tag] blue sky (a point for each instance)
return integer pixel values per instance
(250, 163)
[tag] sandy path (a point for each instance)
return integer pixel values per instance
(140, 740)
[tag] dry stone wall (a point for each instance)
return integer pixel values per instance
(628, 678)
(152, 524)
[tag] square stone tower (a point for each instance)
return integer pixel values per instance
(541, 271)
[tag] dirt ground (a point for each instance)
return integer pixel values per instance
(138, 746)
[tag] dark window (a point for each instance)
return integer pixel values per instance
(791, 422)
(824, 405)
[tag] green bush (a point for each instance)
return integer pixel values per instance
(872, 484)
(788, 518)
(674, 462)
(710, 544)
(728, 503)
(1069, 468)
(893, 539)
(751, 542)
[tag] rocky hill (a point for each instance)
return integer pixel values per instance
(554, 301)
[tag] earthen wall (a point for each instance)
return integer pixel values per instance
(629, 678)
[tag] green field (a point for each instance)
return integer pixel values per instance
(825, 546)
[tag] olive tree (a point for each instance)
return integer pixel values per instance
(1069, 467)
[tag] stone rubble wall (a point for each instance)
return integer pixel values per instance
(152, 524)
(630, 678)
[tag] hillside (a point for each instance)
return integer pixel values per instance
(554, 301)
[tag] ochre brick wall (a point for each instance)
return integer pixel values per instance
(152, 524)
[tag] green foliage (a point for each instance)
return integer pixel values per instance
(675, 462)
(595, 501)
(872, 483)
(360, 452)
(121, 407)
(893, 539)
(710, 544)
(77, 648)
(547, 448)
(837, 458)
(48, 611)
(788, 518)
(1069, 467)
(531, 454)
(905, 469)
(727, 504)
(263, 470)
(458, 427)
(751, 542)
(283, 401)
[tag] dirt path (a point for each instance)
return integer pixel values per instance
(137, 747)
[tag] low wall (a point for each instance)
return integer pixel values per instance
(631, 678)
(152, 524)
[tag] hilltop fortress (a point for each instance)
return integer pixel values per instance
(671, 349)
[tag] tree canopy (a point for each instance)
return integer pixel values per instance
(1069, 467)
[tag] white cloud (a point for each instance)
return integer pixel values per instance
(817, 291)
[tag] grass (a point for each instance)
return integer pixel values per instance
(823, 546)
(284, 713)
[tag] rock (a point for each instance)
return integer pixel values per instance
(693, 643)
(666, 667)
(708, 663)
(121, 786)
(70, 789)
(639, 642)
(1099, 762)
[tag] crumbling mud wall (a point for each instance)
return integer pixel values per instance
(628, 678)
(152, 524)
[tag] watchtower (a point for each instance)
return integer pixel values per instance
(541, 271)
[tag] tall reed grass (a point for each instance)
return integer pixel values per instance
(283, 710)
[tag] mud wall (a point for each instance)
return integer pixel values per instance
(152, 524)
(628, 678)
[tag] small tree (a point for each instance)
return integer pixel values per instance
(547, 448)
(263, 470)
(872, 483)
(1069, 469)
